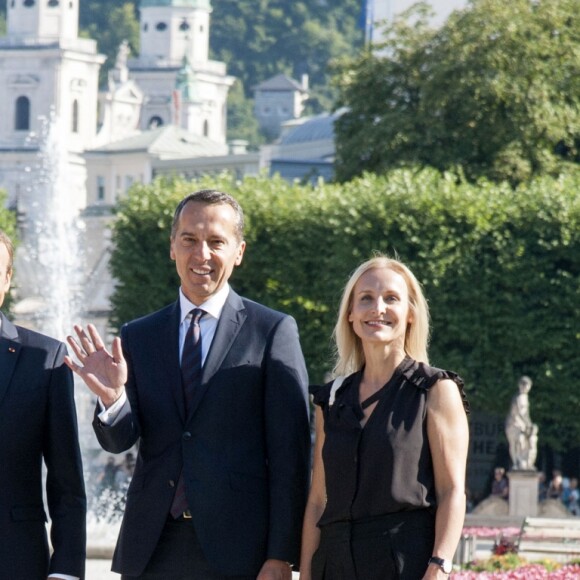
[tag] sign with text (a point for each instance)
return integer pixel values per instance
(487, 447)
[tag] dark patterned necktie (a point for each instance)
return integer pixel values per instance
(191, 358)
(190, 378)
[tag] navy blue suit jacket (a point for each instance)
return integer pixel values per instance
(244, 447)
(38, 421)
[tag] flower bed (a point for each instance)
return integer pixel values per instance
(527, 572)
(505, 563)
(482, 532)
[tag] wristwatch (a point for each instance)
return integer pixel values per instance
(445, 565)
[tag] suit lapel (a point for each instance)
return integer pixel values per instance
(9, 353)
(231, 320)
(169, 339)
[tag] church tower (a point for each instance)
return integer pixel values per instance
(47, 20)
(174, 56)
(45, 69)
(173, 29)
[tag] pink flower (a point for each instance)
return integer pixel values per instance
(530, 572)
(482, 532)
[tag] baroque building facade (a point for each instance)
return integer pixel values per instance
(181, 84)
(47, 71)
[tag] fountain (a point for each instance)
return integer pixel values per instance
(49, 258)
(49, 296)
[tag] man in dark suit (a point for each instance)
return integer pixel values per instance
(237, 444)
(37, 421)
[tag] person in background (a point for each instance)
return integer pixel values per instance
(500, 485)
(571, 496)
(542, 486)
(387, 498)
(469, 500)
(214, 389)
(556, 485)
(38, 424)
(124, 472)
(107, 478)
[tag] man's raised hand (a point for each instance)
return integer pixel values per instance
(104, 372)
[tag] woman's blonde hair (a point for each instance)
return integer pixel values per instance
(349, 351)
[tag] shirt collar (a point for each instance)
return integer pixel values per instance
(213, 305)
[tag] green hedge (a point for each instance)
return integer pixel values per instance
(500, 268)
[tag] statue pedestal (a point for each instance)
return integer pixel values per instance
(523, 496)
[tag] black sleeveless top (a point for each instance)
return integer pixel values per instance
(385, 466)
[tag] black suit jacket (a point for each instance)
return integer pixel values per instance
(244, 447)
(38, 421)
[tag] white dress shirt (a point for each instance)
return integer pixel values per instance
(213, 307)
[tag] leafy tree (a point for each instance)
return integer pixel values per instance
(7, 217)
(261, 39)
(495, 90)
(8, 226)
(109, 23)
(241, 121)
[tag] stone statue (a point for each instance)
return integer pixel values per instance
(122, 55)
(521, 433)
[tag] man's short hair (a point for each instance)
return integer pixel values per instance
(211, 197)
(4, 239)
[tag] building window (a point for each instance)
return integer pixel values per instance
(184, 26)
(161, 26)
(75, 116)
(205, 128)
(128, 181)
(100, 188)
(22, 120)
(155, 122)
(53, 3)
(145, 27)
(28, 3)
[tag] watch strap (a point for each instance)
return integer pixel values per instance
(445, 565)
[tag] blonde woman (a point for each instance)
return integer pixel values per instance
(387, 499)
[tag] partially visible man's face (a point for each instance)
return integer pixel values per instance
(205, 249)
(5, 275)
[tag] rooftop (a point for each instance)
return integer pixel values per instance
(169, 142)
(280, 82)
(314, 129)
